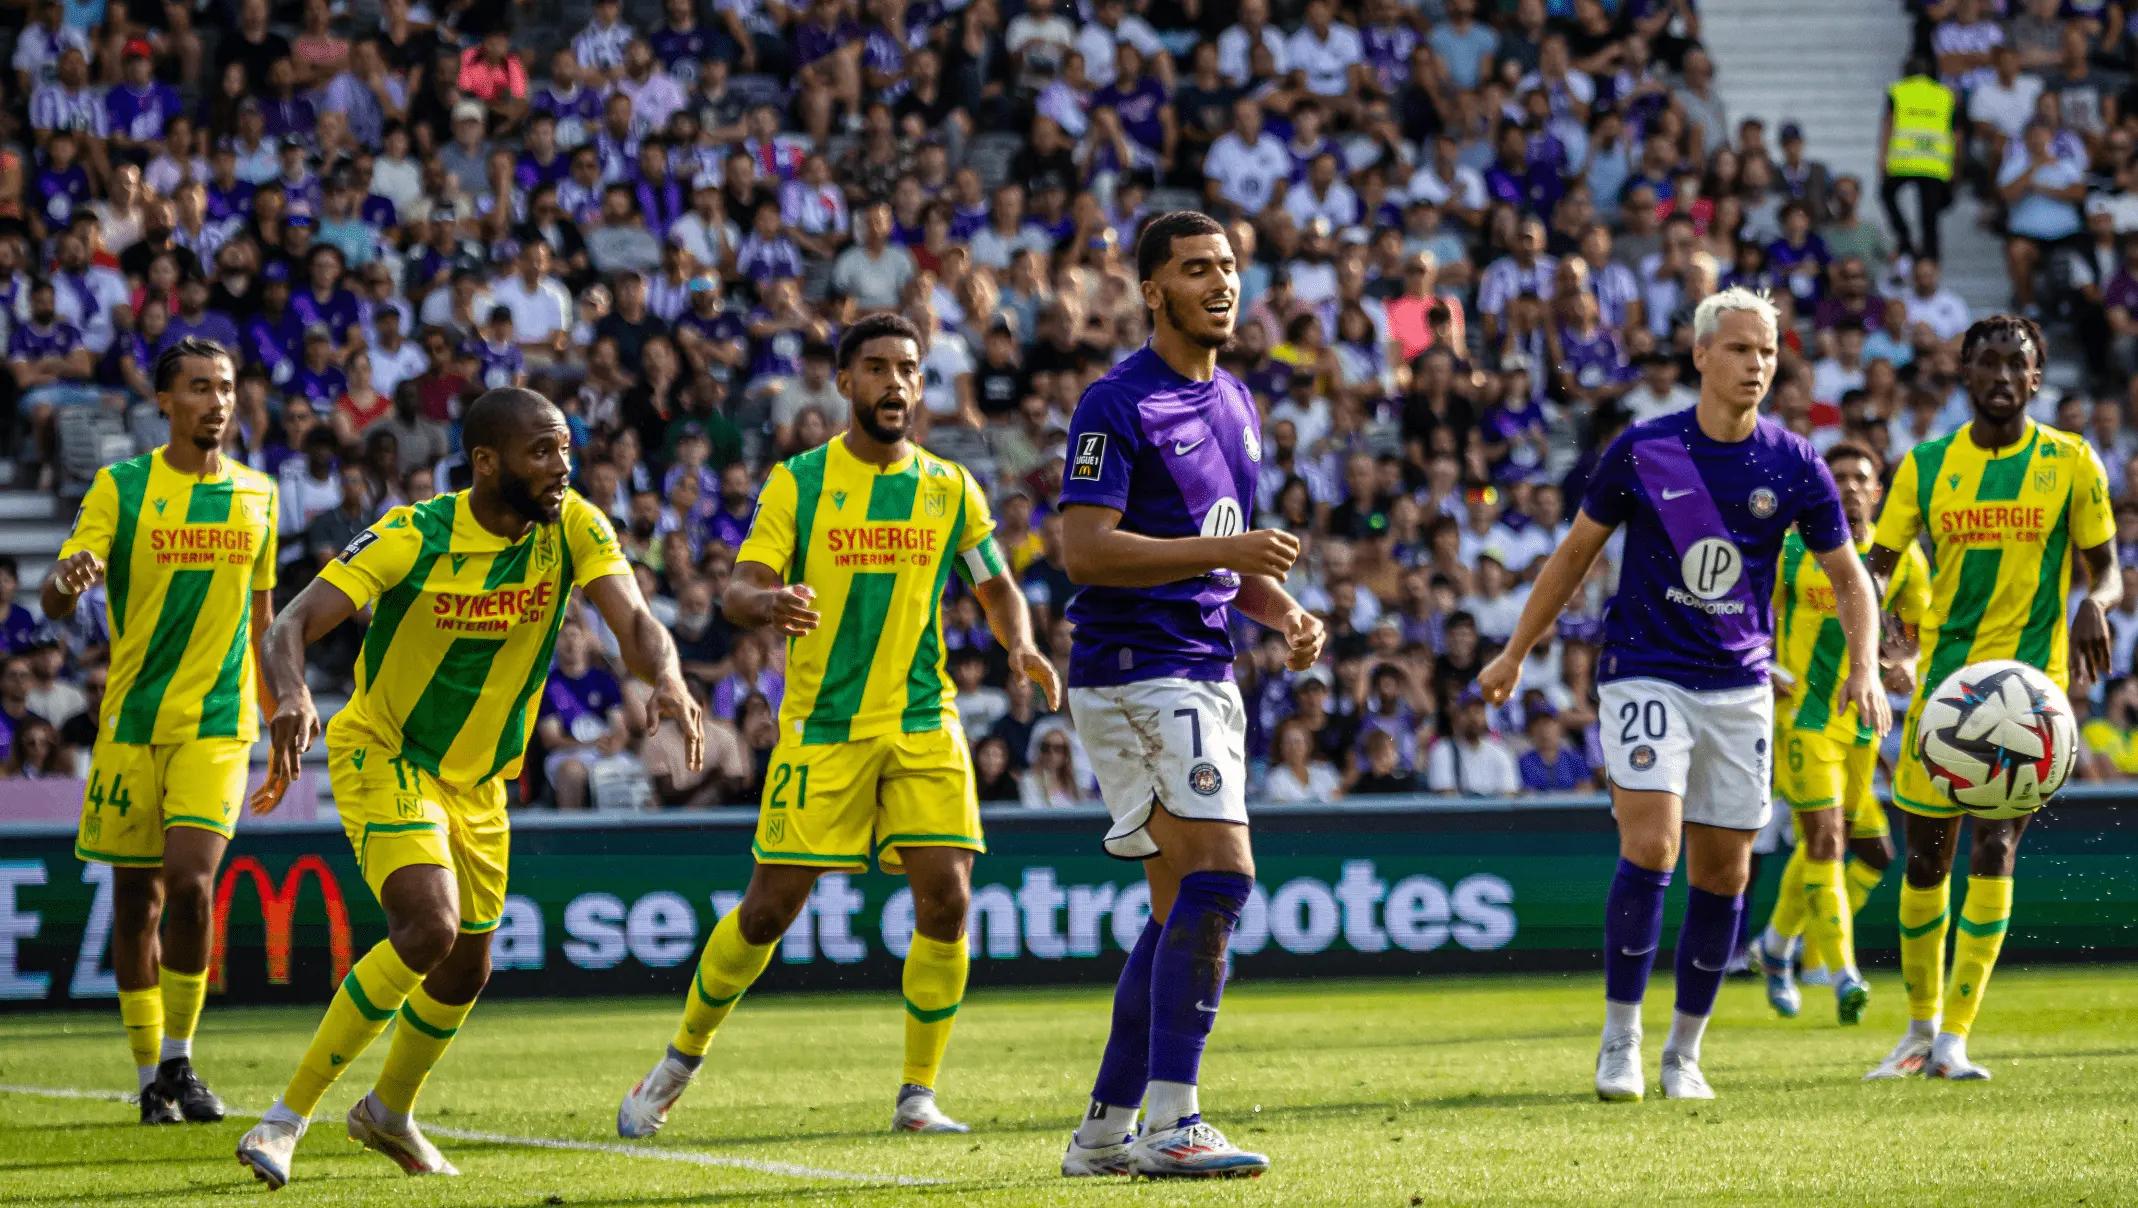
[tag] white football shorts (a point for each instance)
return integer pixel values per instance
(1179, 743)
(1711, 749)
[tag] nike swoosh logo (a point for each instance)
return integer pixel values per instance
(1199, 1005)
(1180, 449)
(1678, 494)
(1643, 952)
(1704, 969)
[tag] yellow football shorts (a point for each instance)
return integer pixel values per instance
(1913, 790)
(830, 805)
(398, 815)
(1815, 773)
(136, 790)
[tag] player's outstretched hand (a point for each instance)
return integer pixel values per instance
(2090, 650)
(1499, 678)
(791, 611)
(1262, 552)
(79, 573)
(291, 733)
(1028, 662)
(268, 796)
(1305, 634)
(1869, 696)
(673, 701)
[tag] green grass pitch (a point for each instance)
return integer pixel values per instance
(1439, 1090)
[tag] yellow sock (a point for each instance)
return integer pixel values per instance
(1828, 934)
(368, 997)
(725, 969)
(1922, 945)
(934, 984)
(1787, 920)
(142, 1013)
(183, 994)
(419, 1041)
(1984, 917)
(1861, 879)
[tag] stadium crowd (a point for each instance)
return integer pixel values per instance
(1472, 234)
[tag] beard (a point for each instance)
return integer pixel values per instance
(880, 431)
(518, 494)
(206, 443)
(1210, 340)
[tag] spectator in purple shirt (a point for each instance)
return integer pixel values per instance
(1550, 765)
(1799, 257)
(581, 717)
(140, 107)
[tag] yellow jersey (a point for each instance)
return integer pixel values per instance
(461, 631)
(1809, 645)
(183, 554)
(876, 544)
(2002, 530)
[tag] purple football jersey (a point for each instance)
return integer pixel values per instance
(1704, 526)
(1177, 458)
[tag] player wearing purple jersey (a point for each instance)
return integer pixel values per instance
(1163, 458)
(1706, 497)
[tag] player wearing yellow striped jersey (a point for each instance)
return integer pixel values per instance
(183, 540)
(2004, 502)
(847, 557)
(466, 594)
(1825, 757)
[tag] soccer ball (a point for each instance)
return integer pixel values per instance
(1998, 738)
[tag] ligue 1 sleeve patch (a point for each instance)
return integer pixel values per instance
(1090, 455)
(356, 546)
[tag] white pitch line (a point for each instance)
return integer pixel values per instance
(686, 1156)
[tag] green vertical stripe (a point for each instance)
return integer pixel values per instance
(130, 479)
(1822, 677)
(924, 679)
(434, 524)
(428, 731)
(891, 495)
(1956, 634)
(182, 602)
(512, 739)
(2004, 477)
(808, 471)
(2045, 617)
(511, 565)
(209, 503)
(846, 675)
(224, 704)
(1929, 461)
(1792, 562)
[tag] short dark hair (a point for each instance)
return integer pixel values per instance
(2018, 326)
(874, 327)
(499, 415)
(1848, 449)
(167, 361)
(1155, 246)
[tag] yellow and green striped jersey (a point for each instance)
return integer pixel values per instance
(2002, 530)
(876, 543)
(1809, 645)
(462, 626)
(182, 556)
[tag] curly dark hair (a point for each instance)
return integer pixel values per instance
(2017, 325)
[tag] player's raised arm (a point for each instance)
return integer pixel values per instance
(1563, 574)
(1096, 553)
(81, 559)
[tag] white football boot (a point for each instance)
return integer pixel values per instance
(1618, 1069)
(1907, 1058)
(1682, 1078)
(1948, 1060)
(917, 1113)
(410, 1149)
(645, 1109)
(1192, 1149)
(267, 1149)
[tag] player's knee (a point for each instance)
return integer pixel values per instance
(423, 940)
(187, 900)
(1995, 855)
(137, 904)
(941, 914)
(1655, 852)
(769, 907)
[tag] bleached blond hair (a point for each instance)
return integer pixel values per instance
(1707, 317)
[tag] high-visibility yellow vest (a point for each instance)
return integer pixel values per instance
(1922, 143)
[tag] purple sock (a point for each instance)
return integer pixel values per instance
(1704, 948)
(1127, 1063)
(1188, 974)
(1633, 927)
